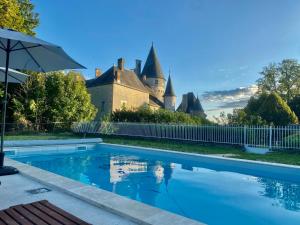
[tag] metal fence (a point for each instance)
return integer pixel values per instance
(287, 137)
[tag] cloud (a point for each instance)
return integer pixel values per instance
(230, 98)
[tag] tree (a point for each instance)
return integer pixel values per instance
(289, 79)
(18, 15)
(53, 97)
(282, 78)
(29, 100)
(31, 19)
(270, 79)
(295, 105)
(271, 108)
(68, 98)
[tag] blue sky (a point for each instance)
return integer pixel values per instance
(213, 47)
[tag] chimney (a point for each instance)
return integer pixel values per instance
(121, 63)
(98, 72)
(138, 66)
(118, 76)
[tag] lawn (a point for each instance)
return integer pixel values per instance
(40, 136)
(234, 152)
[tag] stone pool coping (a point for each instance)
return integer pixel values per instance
(133, 210)
(29, 143)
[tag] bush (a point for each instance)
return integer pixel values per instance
(146, 115)
(269, 109)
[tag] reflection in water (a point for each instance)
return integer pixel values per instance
(204, 192)
(286, 194)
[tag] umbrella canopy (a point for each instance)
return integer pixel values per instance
(13, 76)
(31, 53)
(24, 52)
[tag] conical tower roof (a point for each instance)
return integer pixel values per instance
(169, 89)
(152, 68)
(197, 105)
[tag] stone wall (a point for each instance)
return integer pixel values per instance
(158, 85)
(170, 102)
(102, 96)
(131, 98)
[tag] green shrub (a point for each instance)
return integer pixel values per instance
(146, 115)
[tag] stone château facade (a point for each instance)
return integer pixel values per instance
(119, 87)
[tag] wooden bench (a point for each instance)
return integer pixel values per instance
(38, 213)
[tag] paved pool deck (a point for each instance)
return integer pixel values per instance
(13, 191)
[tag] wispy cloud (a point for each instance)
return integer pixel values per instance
(230, 98)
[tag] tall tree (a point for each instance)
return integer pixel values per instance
(53, 97)
(18, 15)
(289, 79)
(282, 78)
(270, 79)
(30, 18)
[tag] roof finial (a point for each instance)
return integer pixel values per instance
(169, 71)
(152, 44)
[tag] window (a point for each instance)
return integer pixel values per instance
(156, 81)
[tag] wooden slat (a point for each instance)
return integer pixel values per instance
(8, 220)
(1, 222)
(64, 213)
(18, 217)
(38, 213)
(28, 215)
(53, 214)
(41, 215)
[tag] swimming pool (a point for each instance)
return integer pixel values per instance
(212, 191)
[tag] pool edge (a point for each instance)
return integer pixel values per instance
(209, 156)
(130, 209)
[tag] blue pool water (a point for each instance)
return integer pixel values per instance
(209, 192)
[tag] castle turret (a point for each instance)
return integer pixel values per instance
(169, 96)
(152, 74)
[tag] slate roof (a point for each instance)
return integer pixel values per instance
(192, 104)
(197, 105)
(152, 68)
(169, 89)
(155, 101)
(127, 78)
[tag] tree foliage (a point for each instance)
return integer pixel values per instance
(264, 109)
(282, 78)
(53, 97)
(145, 115)
(295, 105)
(18, 15)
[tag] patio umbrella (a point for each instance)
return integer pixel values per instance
(24, 52)
(13, 76)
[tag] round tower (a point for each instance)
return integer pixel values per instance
(169, 96)
(152, 74)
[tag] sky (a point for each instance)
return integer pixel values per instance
(213, 48)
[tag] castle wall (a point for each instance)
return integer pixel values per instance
(170, 102)
(130, 98)
(158, 86)
(102, 98)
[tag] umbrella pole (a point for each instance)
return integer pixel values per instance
(5, 170)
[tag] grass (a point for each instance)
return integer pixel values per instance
(292, 158)
(40, 136)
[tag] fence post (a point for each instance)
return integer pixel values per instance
(270, 137)
(245, 135)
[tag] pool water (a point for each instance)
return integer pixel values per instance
(204, 191)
